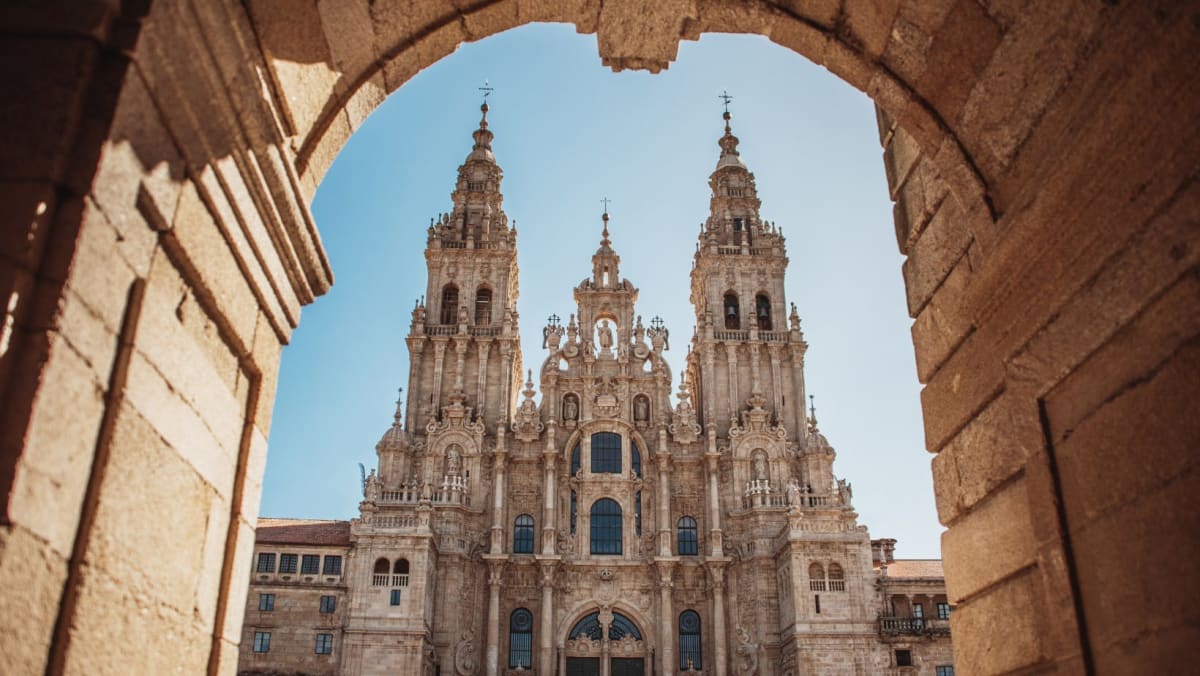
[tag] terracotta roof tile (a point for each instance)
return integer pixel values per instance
(915, 568)
(303, 532)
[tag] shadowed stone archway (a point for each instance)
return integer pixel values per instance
(157, 247)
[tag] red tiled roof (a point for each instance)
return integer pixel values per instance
(303, 532)
(915, 568)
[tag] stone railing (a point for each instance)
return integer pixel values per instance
(453, 490)
(393, 520)
(731, 335)
(485, 330)
(441, 329)
(892, 626)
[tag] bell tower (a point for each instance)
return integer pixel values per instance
(748, 347)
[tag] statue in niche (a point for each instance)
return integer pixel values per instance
(453, 461)
(606, 336)
(641, 409)
(372, 486)
(760, 466)
(570, 408)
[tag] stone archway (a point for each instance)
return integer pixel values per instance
(157, 248)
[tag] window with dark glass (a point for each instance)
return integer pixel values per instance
(606, 453)
(732, 320)
(523, 535)
(520, 639)
(621, 627)
(588, 626)
(395, 601)
(380, 576)
(816, 577)
(904, 658)
(837, 578)
(266, 563)
(606, 527)
(266, 602)
(688, 540)
(400, 573)
(943, 670)
(449, 305)
(483, 307)
(575, 460)
(328, 604)
(635, 459)
(574, 510)
(689, 641)
(943, 611)
(310, 564)
(637, 514)
(324, 644)
(262, 641)
(287, 563)
(762, 312)
(333, 565)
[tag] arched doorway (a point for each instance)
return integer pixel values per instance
(605, 643)
(161, 155)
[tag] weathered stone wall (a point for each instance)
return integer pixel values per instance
(156, 248)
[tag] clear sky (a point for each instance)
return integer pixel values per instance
(569, 132)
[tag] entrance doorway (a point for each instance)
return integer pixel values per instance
(609, 636)
(621, 666)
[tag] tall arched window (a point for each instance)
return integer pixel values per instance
(837, 578)
(621, 627)
(575, 460)
(483, 306)
(520, 639)
(606, 453)
(762, 311)
(732, 319)
(523, 535)
(687, 540)
(400, 573)
(689, 641)
(816, 577)
(635, 459)
(449, 304)
(606, 527)
(637, 521)
(380, 576)
(588, 626)
(574, 510)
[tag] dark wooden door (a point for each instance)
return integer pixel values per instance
(583, 666)
(628, 666)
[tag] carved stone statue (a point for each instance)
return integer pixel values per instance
(570, 408)
(605, 335)
(641, 409)
(372, 488)
(453, 461)
(793, 492)
(746, 662)
(760, 466)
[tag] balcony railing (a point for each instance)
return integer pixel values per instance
(913, 625)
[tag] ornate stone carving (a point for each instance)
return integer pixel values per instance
(684, 428)
(528, 424)
(755, 419)
(746, 653)
(465, 662)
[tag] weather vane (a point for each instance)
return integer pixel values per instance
(726, 98)
(486, 90)
(605, 201)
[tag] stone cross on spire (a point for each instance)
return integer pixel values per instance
(486, 90)
(726, 98)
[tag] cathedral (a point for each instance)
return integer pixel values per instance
(628, 523)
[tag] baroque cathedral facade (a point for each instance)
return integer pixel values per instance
(606, 530)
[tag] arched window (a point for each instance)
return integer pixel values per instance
(606, 453)
(637, 521)
(523, 535)
(732, 320)
(816, 577)
(483, 306)
(606, 527)
(688, 542)
(689, 641)
(621, 627)
(449, 304)
(575, 460)
(380, 576)
(762, 312)
(400, 573)
(635, 459)
(837, 579)
(520, 639)
(588, 626)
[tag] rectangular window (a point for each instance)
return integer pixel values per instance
(266, 563)
(944, 670)
(904, 658)
(943, 612)
(310, 564)
(262, 641)
(328, 604)
(324, 643)
(817, 602)
(606, 453)
(333, 565)
(287, 563)
(395, 597)
(266, 602)
(918, 610)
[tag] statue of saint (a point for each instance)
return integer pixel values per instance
(606, 336)
(570, 408)
(453, 461)
(760, 466)
(641, 409)
(372, 487)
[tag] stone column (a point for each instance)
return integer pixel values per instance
(550, 497)
(460, 361)
(720, 638)
(416, 350)
(493, 627)
(546, 651)
(606, 618)
(439, 366)
(798, 389)
(716, 548)
(731, 359)
(485, 346)
(666, 618)
(500, 463)
(664, 496)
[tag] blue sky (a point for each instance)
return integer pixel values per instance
(568, 133)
